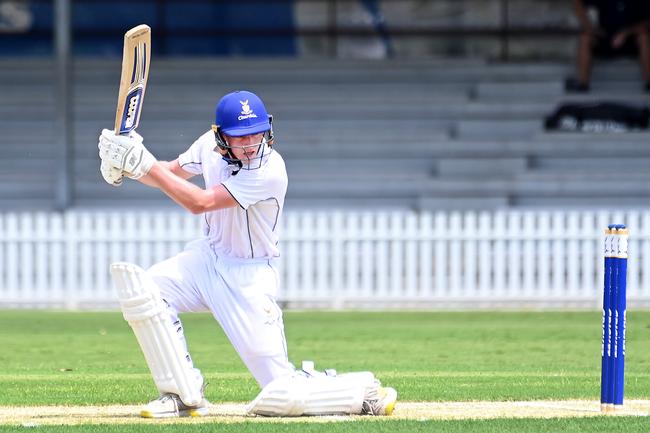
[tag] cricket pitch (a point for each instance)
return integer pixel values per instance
(33, 416)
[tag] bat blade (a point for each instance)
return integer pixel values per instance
(133, 81)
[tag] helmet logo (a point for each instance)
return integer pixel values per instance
(245, 108)
(246, 112)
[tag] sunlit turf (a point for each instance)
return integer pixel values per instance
(93, 358)
(64, 358)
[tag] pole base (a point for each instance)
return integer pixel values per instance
(607, 407)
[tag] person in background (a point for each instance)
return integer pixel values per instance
(379, 22)
(621, 29)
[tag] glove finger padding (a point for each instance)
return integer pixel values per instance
(126, 153)
(108, 142)
(111, 175)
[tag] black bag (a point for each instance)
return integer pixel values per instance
(598, 117)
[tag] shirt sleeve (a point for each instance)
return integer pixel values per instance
(251, 186)
(192, 159)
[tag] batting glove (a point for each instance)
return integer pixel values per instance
(125, 153)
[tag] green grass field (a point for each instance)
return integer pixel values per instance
(52, 358)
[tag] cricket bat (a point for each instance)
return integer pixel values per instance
(133, 82)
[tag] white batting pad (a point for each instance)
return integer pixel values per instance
(302, 394)
(364, 377)
(146, 312)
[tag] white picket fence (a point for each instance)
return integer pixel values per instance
(341, 259)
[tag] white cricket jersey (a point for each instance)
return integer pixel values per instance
(250, 230)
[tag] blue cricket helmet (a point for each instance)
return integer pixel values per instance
(241, 113)
(238, 114)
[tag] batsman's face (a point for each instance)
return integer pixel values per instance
(246, 147)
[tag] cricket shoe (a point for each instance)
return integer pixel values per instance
(170, 406)
(380, 401)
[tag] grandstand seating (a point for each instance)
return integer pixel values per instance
(430, 134)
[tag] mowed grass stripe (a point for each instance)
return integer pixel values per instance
(246, 375)
(71, 389)
(565, 425)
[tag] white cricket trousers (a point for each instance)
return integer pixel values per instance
(239, 293)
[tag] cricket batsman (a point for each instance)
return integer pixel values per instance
(232, 271)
